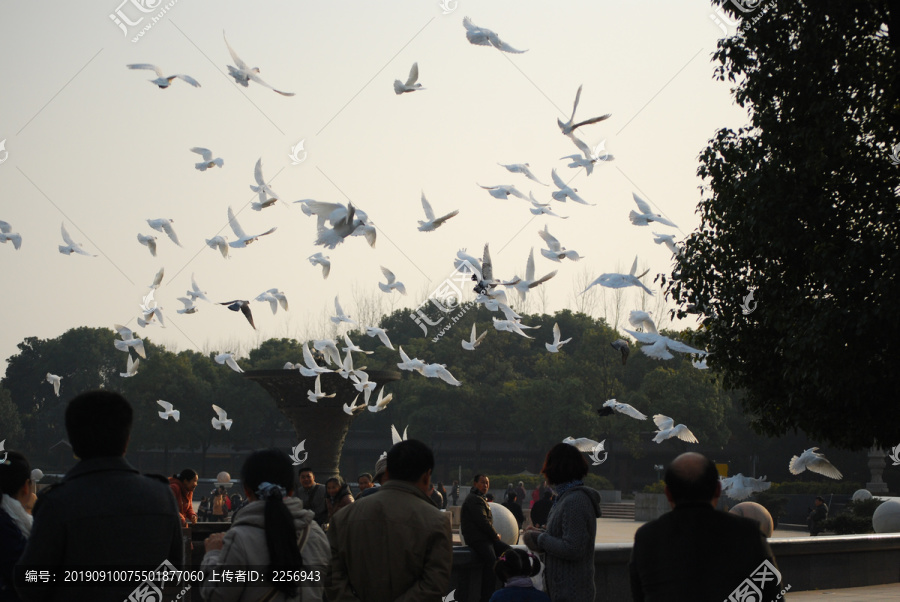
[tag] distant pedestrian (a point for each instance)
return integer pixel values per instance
(182, 486)
(521, 493)
(219, 508)
(541, 510)
(454, 493)
(514, 569)
(443, 492)
(203, 510)
(512, 504)
(817, 516)
(510, 489)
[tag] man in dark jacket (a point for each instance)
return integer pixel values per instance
(817, 516)
(104, 514)
(312, 495)
(696, 552)
(476, 524)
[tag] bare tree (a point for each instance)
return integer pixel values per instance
(585, 302)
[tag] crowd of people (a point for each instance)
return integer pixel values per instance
(391, 541)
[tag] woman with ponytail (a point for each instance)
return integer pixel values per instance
(514, 569)
(183, 485)
(272, 532)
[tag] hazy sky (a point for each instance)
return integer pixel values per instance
(95, 146)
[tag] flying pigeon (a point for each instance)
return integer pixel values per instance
(439, 371)
(228, 358)
(409, 364)
(529, 282)
(243, 74)
(657, 346)
(55, 381)
(322, 260)
(667, 430)
(6, 234)
(431, 224)
(503, 191)
(523, 169)
(646, 214)
(570, 126)
(668, 240)
(565, 191)
(221, 419)
(481, 36)
(740, 487)
(165, 225)
(352, 408)
(473, 342)
(195, 292)
(381, 402)
(274, 297)
(129, 341)
(621, 346)
(542, 208)
(353, 347)
(612, 280)
(816, 462)
(208, 161)
(71, 246)
(554, 347)
(164, 81)
(316, 394)
(220, 243)
(157, 280)
(555, 251)
(340, 315)
(168, 411)
(610, 406)
(189, 307)
(130, 368)
(392, 283)
(243, 307)
(265, 193)
(411, 84)
(381, 333)
(395, 435)
(243, 239)
(148, 241)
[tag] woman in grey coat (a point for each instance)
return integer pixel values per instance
(568, 540)
(271, 532)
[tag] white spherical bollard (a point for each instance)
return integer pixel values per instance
(504, 523)
(887, 517)
(758, 513)
(861, 494)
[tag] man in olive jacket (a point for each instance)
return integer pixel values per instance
(394, 546)
(476, 524)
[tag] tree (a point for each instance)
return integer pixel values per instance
(801, 208)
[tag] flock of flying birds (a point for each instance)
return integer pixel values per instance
(336, 222)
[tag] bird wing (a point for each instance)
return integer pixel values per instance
(681, 347)
(389, 275)
(147, 66)
(552, 242)
(237, 60)
(824, 467)
(444, 218)
(429, 214)
(157, 280)
(529, 266)
(685, 434)
(413, 74)
(543, 279)
(205, 152)
(487, 269)
(624, 408)
(395, 436)
(583, 444)
(66, 238)
(245, 309)
(165, 405)
(643, 206)
(235, 226)
(337, 307)
(556, 334)
(575, 104)
(557, 180)
(582, 146)
(662, 422)
(591, 120)
(188, 79)
(222, 414)
(648, 338)
(257, 173)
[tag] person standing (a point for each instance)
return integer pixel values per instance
(521, 493)
(417, 565)
(15, 518)
(312, 495)
(512, 504)
(568, 541)
(183, 485)
(219, 509)
(541, 510)
(476, 524)
(454, 493)
(696, 552)
(338, 495)
(103, 513)
(817, 516)
(440, 489)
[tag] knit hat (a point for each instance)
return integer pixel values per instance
(380, 468)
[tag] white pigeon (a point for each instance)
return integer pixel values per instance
(189, 307)
(589, 156)
(642, 319)
(295, 453)
(668, 240)
(657, 346)
(157, 280)
(740, 487)
(274, 297)
(503, 191)
(570, 126)
(220, 243)
(481, 36)
(311, 368)
(130, 368)
(164, 81)
(129, 341)
(351, 346)
(322, 260)
(208, 161)
(150, 310)
(267, 196)
(195, 292)
(148, 241)
(816, 462)
(55, 381)
(395, 435)
(523, 285)
(542, 208)
(243, 73)
(316, 394)
(243, 239)
(700, 365)
(6, 234)
(565, 191)
(473, 342)
(487, 283)
(329, 350)
(621, 280)
(512, 326)
(554, 347)
(340, 316)
(345, 221)
(352, 408)
(431, 224)
(362, 384)
(168, 411)
(381, 333)
(409, 364)
(221, 419)
(392, 283)
(439, 371)
(646, 214)
(582, 444)
(347, 368)
(228, 359)
(165, 225)
(411, 84)
(555, 251)
(667, 430)
(624, 408)
(523, 169)
(381, 402)
(71, 246)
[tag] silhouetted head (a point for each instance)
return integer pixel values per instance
(99, 424)
(692, 477)
(564, 463)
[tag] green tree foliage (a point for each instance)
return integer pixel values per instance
(801, 207)
(12, 431)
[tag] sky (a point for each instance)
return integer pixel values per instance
(95, 146)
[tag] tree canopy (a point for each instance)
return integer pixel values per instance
(801, 209)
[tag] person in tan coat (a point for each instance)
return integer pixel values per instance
(394, 546)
